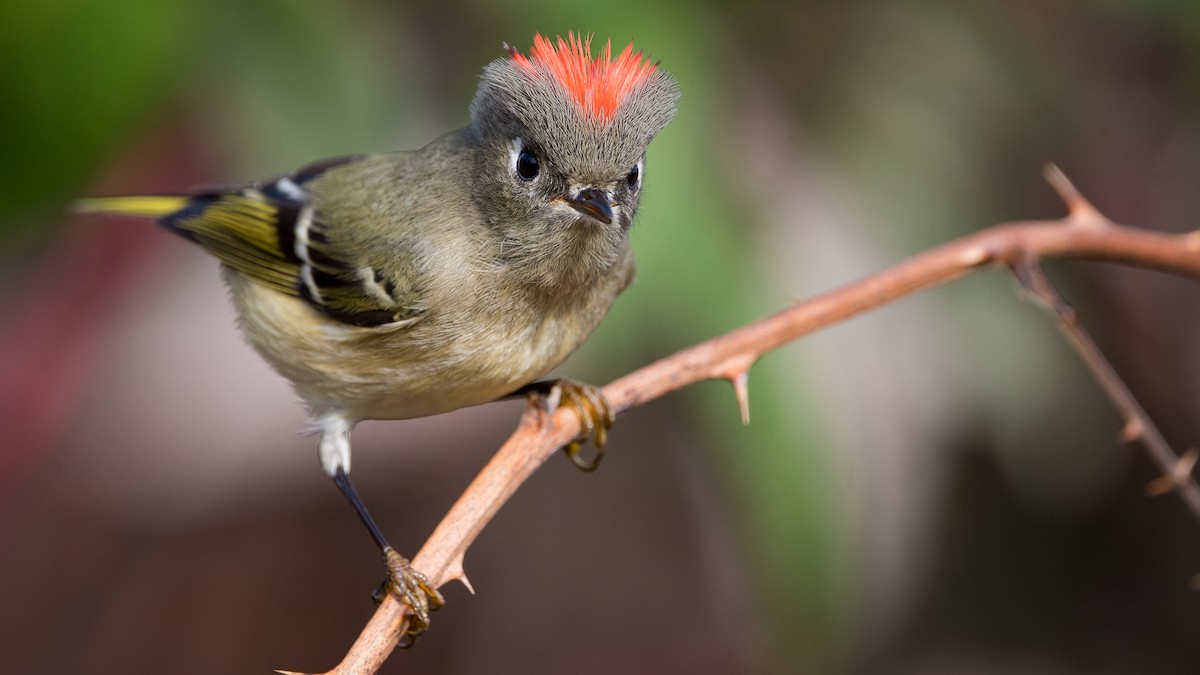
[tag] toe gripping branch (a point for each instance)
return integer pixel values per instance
(413, 589)
(595, 415)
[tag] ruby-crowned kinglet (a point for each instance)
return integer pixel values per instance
(401, 285)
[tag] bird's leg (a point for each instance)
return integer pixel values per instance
(590, 406)
(412, 587)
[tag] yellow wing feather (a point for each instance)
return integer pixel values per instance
(270, 232)
(143, 207)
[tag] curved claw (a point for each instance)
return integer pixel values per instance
(573, 453)
(590, 407)
(414, 590)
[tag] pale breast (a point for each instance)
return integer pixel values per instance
(444, 361)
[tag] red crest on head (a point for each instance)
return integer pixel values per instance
(598, 85)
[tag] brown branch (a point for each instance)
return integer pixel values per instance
(1084, 233)
(1177, 472)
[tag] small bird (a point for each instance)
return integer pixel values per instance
(406, 284)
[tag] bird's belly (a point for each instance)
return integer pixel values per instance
(431, 367)
(438, 364)
(456, 374)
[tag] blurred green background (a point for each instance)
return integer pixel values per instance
(934, 488)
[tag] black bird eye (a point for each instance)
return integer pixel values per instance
(635, 175)
(527, 165)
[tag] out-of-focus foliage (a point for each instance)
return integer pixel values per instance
(77, 79)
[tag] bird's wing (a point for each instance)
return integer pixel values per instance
(271, 232)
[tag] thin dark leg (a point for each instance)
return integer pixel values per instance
(410, 585)
(342, 480)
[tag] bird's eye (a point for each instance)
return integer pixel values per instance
(634, 176)
(527, 165)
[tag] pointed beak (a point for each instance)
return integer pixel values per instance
(595, 203)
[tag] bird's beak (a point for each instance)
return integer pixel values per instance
(593, 202)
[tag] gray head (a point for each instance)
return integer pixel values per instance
(563, 138)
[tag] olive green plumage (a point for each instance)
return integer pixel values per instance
(405, 284)
(400, 285)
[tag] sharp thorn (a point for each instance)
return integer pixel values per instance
(741, 389)
(1078, 207)
(454, 571)
(466, 582)
(1159, 486)
(1179, 476)
(1131, 431)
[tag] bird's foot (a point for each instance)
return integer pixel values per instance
(413, 589)
(590, 406)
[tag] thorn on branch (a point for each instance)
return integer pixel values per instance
(737, 372)
(741, 389)
(1078, 207)
(455, 571)
(1177, 478)
(1132, 431)
(465, 582)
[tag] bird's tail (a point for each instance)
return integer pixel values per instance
(151, 206)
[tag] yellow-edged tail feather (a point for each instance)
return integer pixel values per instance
(155, 206)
